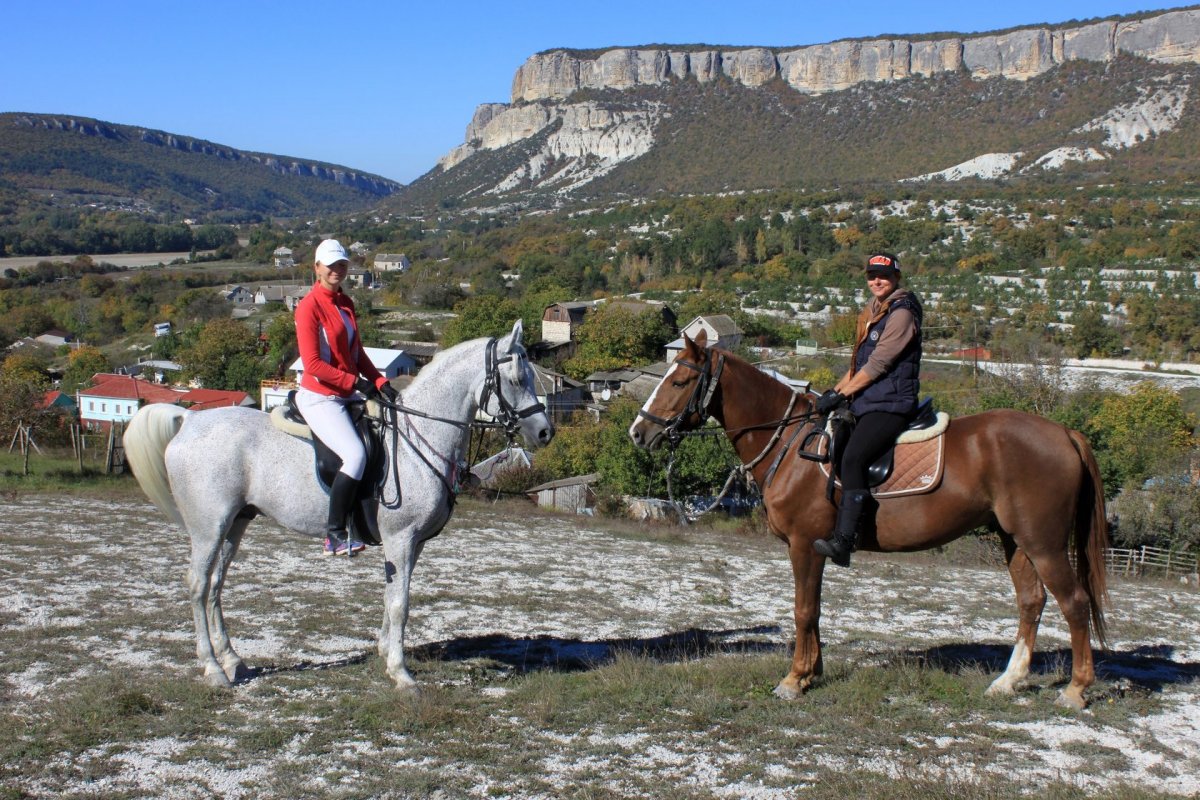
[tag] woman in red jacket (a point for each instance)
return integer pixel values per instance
(335, 366)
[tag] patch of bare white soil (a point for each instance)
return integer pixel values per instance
(67, 564)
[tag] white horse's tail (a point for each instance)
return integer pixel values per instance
(146, 440)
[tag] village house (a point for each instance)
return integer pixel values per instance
(114, 399)
(238, 295)
(391, 262)
(561, 395)
(569, 494)
(721, 330)
(283, 258)
(294, 295)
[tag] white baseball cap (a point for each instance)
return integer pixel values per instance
(330, 251)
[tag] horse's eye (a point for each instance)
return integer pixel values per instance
(679, 384)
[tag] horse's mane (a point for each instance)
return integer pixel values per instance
(750, 376)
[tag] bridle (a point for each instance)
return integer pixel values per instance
(698, 402)
(510, 418)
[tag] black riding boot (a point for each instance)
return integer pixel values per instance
(341, 499)
(840, 544)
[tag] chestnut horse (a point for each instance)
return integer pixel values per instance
(1032, 480)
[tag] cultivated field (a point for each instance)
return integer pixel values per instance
(560, 657)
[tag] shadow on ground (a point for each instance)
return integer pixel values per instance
(1141, 669)
(1149, 667)
(570, 655)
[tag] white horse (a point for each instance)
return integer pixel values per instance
(213, 471)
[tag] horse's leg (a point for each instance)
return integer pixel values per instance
(1031, 599)
(400, 554)
(807, 570)
(385, 630)
(1056, 571)
(230, 661)
(207, 542)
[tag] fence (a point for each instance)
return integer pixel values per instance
(1151, 560)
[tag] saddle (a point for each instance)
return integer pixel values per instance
(364, 523)
(913, 465)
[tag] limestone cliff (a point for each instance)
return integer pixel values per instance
(1170, 37)
(573, 117)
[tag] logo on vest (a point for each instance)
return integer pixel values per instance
(874, 337)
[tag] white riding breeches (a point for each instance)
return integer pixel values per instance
(330, 420)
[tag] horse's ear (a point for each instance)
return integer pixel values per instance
(517, 332)
(701, 340)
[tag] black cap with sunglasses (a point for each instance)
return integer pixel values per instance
(883, 263)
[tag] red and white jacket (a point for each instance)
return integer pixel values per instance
(324, 321)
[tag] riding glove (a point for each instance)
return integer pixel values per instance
(389, 393)
(829, 401)
(366, 388)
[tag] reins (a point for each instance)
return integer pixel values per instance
(698, 403)
(509, 421)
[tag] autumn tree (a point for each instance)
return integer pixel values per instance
(1138, 431)
(224, 355)
(82, 364)
(612, 336)
(482, 315)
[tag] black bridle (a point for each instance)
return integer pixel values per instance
(510, 418)
(697, 404)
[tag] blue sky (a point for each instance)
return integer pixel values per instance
(389, 87)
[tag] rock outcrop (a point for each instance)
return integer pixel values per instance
(1170, 37)
(581, 140)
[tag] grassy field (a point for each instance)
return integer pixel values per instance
(559, 657)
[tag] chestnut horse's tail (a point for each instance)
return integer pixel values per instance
(1091, 537)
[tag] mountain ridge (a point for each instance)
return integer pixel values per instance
(605, 123)
(85, 161)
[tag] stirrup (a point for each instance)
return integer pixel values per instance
(831, 550)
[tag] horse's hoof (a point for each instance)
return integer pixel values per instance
(217, 679)
(241, 673)
(998, 689)
(786, 692)
(1072, 700)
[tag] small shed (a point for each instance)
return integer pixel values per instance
(569, 494)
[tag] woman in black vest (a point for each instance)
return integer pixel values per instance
(881, 385)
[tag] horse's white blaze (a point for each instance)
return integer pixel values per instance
(650, 400)
(1017, 671)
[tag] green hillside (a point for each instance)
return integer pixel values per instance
(64, 161)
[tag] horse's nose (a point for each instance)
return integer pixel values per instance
(636, 435)
(546, 434)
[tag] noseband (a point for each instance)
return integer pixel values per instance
(509, 416)
(699, 400)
